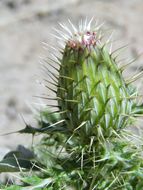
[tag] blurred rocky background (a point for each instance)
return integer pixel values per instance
(25, 24)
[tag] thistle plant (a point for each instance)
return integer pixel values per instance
(86, 145)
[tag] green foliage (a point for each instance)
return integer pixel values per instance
(33, 183)
(85, 144)
(13, 187)
(15, 161)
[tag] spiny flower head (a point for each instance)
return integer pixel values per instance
(92, 94)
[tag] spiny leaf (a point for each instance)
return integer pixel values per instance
(36, 183)
(15, 165)
(20, 152)
(32, 130)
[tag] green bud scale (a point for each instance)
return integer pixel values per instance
(92, 91)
